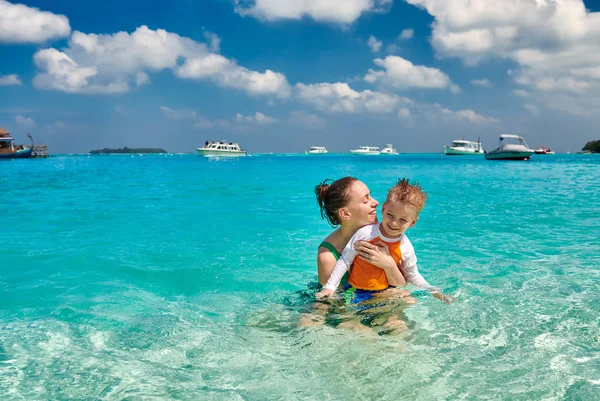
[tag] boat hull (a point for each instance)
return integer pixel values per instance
(19, 154)
(508, 155)
(365, 153)
(448, 151)
(316, 153)
(226, 153)
(389, 153)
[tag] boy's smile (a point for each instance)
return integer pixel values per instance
(397, 218)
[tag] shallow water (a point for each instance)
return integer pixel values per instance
(180, 277)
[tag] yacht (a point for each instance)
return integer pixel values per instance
(461, 147)
(366, 151)
(222, 148)
(512, 147)
(8, 149)
(543, 150)
(316, 150)
(388, 150)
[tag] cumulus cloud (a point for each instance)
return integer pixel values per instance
(22, 24)
(9, 80)
(343, 12)
(482, 82)
(404, 113)
(465, 115)
(213, 40)
(257, 118)
(406, 34)
(374, 44)
(119, 62)
(532, 109)
(398, 72)
(555, 43)
(340, 98)
(25, 122)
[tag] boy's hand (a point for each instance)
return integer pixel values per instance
(446, 298)
(324, 293)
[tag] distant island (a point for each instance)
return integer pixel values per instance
(592, 146)
(127, 150)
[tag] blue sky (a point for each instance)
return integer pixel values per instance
(282, 75)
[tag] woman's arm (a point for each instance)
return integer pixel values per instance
(325, 264)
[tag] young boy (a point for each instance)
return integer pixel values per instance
(399, 212)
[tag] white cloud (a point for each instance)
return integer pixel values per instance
(22, 24)
(374, 44)
(8, 80)
(404, 113)
(532, 109)
(257, 118)
(25, 122)
(482, 82)
(340, 98)
(468, 115)
(400, 73)
(116, 63)
(556, 44)
(521, 92)
(178, 115)
(228, 74)
(214, 41)
(406, 34)
(337, 11)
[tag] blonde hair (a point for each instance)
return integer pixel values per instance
(406, 192)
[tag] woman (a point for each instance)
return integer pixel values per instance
(347, 203)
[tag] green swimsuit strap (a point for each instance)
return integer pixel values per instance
(331, 249)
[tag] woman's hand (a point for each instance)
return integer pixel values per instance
(377, 254)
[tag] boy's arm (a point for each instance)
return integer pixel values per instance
(341, 267)
(412, 275)
(415, 278)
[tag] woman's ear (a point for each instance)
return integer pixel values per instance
(344, 213)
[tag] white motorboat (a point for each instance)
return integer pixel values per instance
(316, 150)
(543, 150)
(460, 147)
(366, 151)
(222, 148)
(512, 147)
(388, 150)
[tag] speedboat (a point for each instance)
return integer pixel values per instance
(512, 147)
(460, 147)
(222, 148)
(8, 149)
(543, 150)
(366, 151)
(388, 150)
(316, 150)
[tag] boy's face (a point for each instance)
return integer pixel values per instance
(397, 218)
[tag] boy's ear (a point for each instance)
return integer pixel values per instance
(414, 222)
(344, 213)
(383, 207)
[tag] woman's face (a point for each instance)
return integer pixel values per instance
(362, 208)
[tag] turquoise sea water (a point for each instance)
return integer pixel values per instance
(180, 277)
